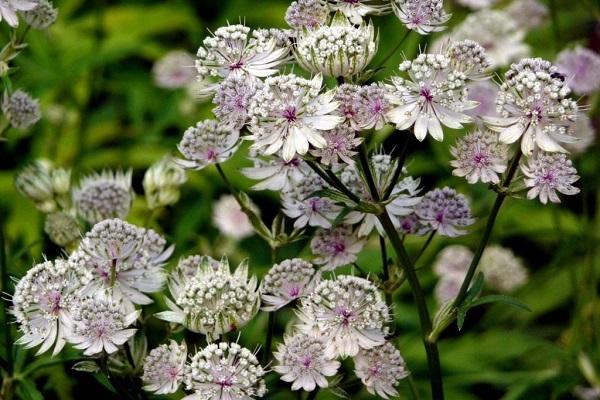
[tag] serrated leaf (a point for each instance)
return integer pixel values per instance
(500, 298)
(87, 366)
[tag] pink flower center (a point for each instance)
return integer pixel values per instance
(345, 314)
(236, 66)
(426, 94)
(339, 247)
(306, 361)
(549, 177)
(225, 382)
(480, 158)
(294, 291)
(211, 154)
(290, 114)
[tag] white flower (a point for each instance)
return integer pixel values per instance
(224, 371)
(380, 369)
(503, 271)
(336, 247)
(535, 107)
(479, 156)
(432, 96)
(275, 173)
(289, 113)
(422, 16)
(232, 99)
(349, 313)
(230, 219)
(162, 181)
(477, 4)
(309, 14)
(470, 58)
(101, 324)
(287, 281)
(43, 302)
(208, 142)
(104, 195)
(341, 142)
(364, 107)
(356, 10)
(213, 301)
(20, 109)
(301, 360)
(340, 49)
(445, 211)
(547, 173)
(164, 367)
(528, 13)
(453, 261)
(9, 8)
(42, 16)
(174, 70)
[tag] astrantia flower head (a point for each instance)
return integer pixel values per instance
(9, 8)
(432, 96)
(230, 219)
(340, 49)
(229, 51)
(162, 181)
(364, 107)
(341, 142)
(356, 10)
(42, 16)
(301, 360)
(174, 70)
(336, 247)
(232, 99)
(20, 109)
(224, 371)
(104, 195)
(208, 142)
(582, 69)
(42, 304)
(528, 13)
(535, 107)
(287, 281)
(584, 131)
(548, 173)
(445, 211)
(422, 16)
(164, 367)
(101, 324)
(62, 228)
(479, 156)
(309, 14)
(290, 113)
(213, 301)
(469, 57)
(380, 369)
(503, 270)
(48, 187)
(274, 173)
(349, 313)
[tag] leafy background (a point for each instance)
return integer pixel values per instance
(92, 72)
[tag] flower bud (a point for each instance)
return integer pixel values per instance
(161, 183)
(62, 228)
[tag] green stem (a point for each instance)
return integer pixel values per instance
(366, 168)
(393, 51)
(4, 281)
(424, 247)
(332, 180)
(385, 268)
(413, 388)
(269, 338)
(399, 164)
(113, 273)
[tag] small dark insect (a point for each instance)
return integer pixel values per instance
(558, 75)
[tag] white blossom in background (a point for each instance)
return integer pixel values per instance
(477, 4)
(534, 107)
(62, 228)
(162, 181)
(479, 156)
(229, 218)
(290, 113)
(20, 109)
(380, 369)
(356, 10)
(582, 69)
(445, 211)
(421, 16)
(548, 173)
(43, 302)
(484, 93)
(301, 360)
(336, 247)
(42, 16)
(453, 261)
(101, 324)
(9, 8)
(104, 195)
(309, 14)
(340, 148)
(208, 142)
(232, 99)
(274, 173)
(349, 313)
(447, 289)
(584, 131)
(174, 70)
(503, 271)
(230, 51)
(337, 49)
(528, 13)
(433, 95)
(214, 300)
(164, 367)
(44, 184)
(287, 281)
(224, 371)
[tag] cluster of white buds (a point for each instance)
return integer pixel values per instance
(232, 99)
(161, 183)
(287, 281)
(470, 58)
(422, 16)
(164, 367)
(20, 109)
(208, 142)
(380, 369)
(306, 14)
(479, 156)
(48, 187)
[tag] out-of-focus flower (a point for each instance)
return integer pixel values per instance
(430, 97)
(534, 106)
(42, 16)
(290, 113)
(287, 281)
(213, 301)
(341, 142)
(528, 13)
(339, 49)
(275, 173)
(585, 133)
(548, 173)
(586, 393)
(503, 271)
(479, 156)
(208, 142)
(9, 8)
(484, 93)
(356, 10)
(447, 289)
(62, 228)
(161, 183)
(101, 324)
(453, 261)
(48, 187)
(224, 371)
(104, 195)
(309, 14)
(476, 4)
(164, 367)
(582, 69)
(445, 211)
(422, 16)
(336, 247)
(230, 51)
(301, 360)
(43, 302)
(232, 98)
(380, 369)
(174, 70)
(349, 313)
(230, 219)
(20, 109)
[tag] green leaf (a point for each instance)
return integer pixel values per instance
(87, 366)
(461, 314)
(475, 289)
(27, 390)
(500, 298)
(333, 194)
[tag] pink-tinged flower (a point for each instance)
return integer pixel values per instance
(341, 142)
(164, 367)
(309, 14)
(274, 173)
(356, 10)
(208, 142)
(175, 70)
(453, 261)
(301, 360)
(105, 195)
(422, 16)
(445, 211)
(287, 281)
(582, 69)
(232, 98)
(548, 173)
(484, 93)
(528, 13)
(364, 107)
(503, 271)
(229, 218)
(380, 369)
(479, 156)
(336, 247)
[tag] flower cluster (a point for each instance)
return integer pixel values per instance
(164, 367)
(422, 16)
(287, 281)
(380, 369)
(208, 142)
(104, 195)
